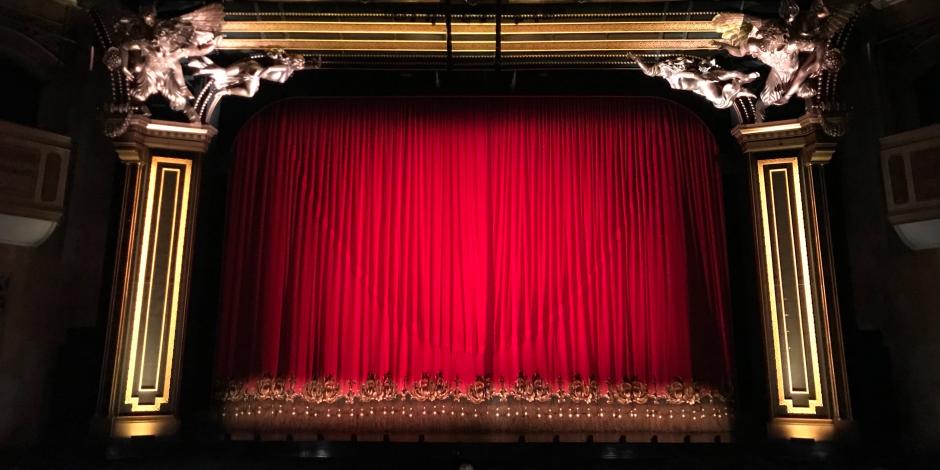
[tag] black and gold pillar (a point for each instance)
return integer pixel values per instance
(801, 327)
(151, 282)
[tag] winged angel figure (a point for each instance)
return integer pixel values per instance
(243, 77)
(796, 45)
(703, 77)
(149, 53)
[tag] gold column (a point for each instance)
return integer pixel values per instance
(151, 282)
(799, 309)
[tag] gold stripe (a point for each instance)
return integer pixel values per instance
(147, 299)
(807, 287)
(790, 126)
(606, 27)
(807, 300)
(175, 269)
(778, 289)
(469, 46)
(326, 14)
(778, 268)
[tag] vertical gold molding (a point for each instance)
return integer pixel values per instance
(802, 341)
(142, 310)
(798, 257)
(151, 283)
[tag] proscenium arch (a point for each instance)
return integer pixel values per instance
(234, 113)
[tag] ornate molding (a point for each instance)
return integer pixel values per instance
(435, 387)
(805, 134)
(439, 409)
(142, 135)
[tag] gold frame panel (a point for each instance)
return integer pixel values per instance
(406, 36)
(400, 27)
(801, 263)
(171, 307)
(465, 46)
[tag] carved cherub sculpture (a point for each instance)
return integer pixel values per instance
(149, 53)
(243, 78)
(703, 77)
(795, 46)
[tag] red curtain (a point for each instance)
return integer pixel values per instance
(475, 237)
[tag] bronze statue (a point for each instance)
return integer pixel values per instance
(703, 77)
(149, 53)
(796, 46)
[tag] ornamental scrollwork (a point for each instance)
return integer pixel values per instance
(268, 388)
(627, 392)
(234, 391)
(430, 388)
(534, 390)
(374, 389)
(323, 390)
(689, 393)
(480, 391)
(583, 391)
(436, 388)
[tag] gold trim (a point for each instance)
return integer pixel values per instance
(133, 426)
(176, 270)
(403, 45)
(777, 267)
(151, 126)
(762, 129)
(379, 27)
(804, 273)
(435, 388)
(778, 289)
(802, 428)
(328, 14)
(153, 254)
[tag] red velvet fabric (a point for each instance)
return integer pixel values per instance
(475, 236)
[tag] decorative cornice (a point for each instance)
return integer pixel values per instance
(805, 133)
(144, 134)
